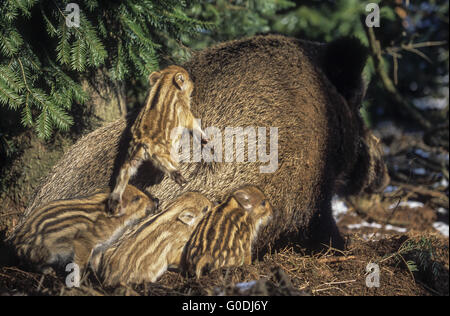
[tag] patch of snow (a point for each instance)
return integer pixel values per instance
(410, 204)
(377, 226)
(364, 224)
(338, 206)
(442, 183)
(390, 188)
(372, 236)
(422, 153)
(395, 228)
(430, 103)
(420, 171)
(441, 227)
(442, 211)
(245, 286)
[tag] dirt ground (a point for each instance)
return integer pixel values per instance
(286, 272)
(404, 231)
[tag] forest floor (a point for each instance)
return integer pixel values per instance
(404, 231)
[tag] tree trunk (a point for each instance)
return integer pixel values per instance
(106, 103)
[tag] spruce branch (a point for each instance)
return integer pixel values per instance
(42, 84)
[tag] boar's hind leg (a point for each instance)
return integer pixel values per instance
(324, 231)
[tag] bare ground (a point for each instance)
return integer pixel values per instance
(286, 272)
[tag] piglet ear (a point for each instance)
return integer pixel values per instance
(243, 199)
(154, 77)
(180, 81)
(187, 217)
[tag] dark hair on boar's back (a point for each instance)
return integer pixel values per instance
(308, 90)
(343, 62)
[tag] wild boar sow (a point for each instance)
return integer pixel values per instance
(307, 95)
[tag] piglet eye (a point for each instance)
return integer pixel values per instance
(264, 203)
(137, 198)
(205, 209)
(156, 201)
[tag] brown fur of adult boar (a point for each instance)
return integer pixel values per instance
(310, 91)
